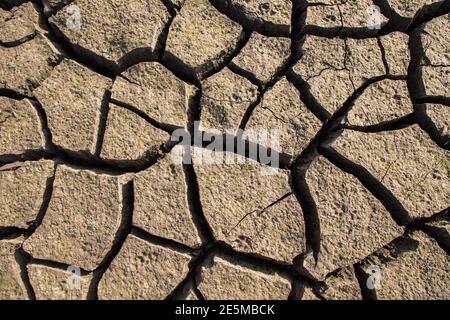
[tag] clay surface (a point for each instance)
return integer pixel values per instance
(224, 149)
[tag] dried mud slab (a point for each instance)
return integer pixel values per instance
(408, 8)
(395, 46)
(225, 98)
(81, 221)
(383, 101)
(282, 110)
(129, 137)
(407, 162)
(142, 271)
(415, 268)
(440, 230)
(280, 229)
(435, 41)
(19, 127)
(250, 209)
(92, 92)
(26, 66)
(276, 12)
(200, 36)
(331, 88)
(226, 281)
(333, 68)
(155, 91)
(365, 60)
(440, 115)
(353, 13)
(54, 284)
(72, 97)
(342, 285)
(263, 56)
(11, 284)
(436, 80)
(110, 29)
(160, 205)
(353, 223)
(23, 189)
(18, 24)
(320, 54)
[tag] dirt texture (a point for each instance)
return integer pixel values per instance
(95, 202)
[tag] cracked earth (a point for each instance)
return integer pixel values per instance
(87, 180)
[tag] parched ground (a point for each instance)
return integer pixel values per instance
(92, 90)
